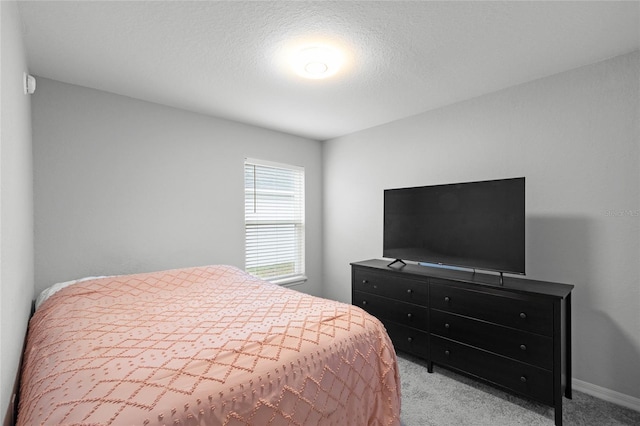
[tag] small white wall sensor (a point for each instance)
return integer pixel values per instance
(29, 84)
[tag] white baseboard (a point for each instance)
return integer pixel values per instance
(606, 394)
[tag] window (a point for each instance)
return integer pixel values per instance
(274, 221)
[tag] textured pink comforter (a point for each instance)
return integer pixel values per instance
(204, 346)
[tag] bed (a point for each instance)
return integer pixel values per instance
(204, 346)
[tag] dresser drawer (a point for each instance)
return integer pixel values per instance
(535, 316)
(520, 345)
(519, 377)
(393, 310)
(408, 339)
(400, 288)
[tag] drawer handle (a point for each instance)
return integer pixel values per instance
(365, 282)
(409, 339)
(523, 347)
(523, 315)
(447, 353)
(409, 291)
(447, 326)
(409, 316)
(364, 302)
(447, 299)
(523, 379)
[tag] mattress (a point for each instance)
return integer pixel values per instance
(204, 346)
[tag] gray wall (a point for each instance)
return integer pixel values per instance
(124, 186)
(575, 137)
(16, 202)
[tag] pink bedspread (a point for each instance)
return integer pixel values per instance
(204, 346)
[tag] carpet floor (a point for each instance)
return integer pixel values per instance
(445, 398)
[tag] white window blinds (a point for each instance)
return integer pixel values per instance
(274, 221)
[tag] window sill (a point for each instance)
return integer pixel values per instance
(291, 281)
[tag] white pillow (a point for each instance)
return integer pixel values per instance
(50, 291)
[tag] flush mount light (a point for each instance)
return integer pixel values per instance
(317, 62)
(316, 68)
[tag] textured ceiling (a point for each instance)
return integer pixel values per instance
(223, 58)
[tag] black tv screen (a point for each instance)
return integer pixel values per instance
(479, 225)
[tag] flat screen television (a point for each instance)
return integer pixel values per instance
(476, 225)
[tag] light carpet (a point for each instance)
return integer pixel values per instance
(445, 398)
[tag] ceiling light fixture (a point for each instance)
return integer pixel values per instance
(316, 68)
(317, 62)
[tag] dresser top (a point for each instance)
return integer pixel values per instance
(520, 285)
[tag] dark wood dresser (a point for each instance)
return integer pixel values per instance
(515, 335)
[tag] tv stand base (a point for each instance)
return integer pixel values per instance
(397, 261)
